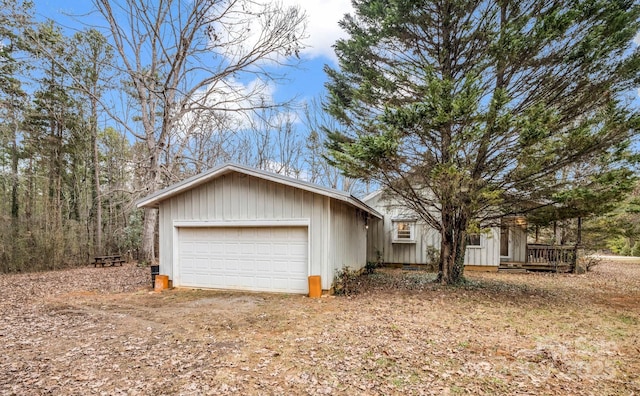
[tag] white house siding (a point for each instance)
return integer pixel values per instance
(488, 254)
(380, 243)
(237, 197)
(519, 244)
(348, 239)
(380, 239)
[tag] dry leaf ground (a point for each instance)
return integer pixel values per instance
(101, 331)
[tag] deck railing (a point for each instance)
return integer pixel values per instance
(553, 256)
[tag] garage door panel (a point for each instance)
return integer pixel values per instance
(214, 265)
(247, 266)
(280, 283)
(296, 249)
(263, 263)
(230, 265)
(200, 264)
(246, 258)
(248, 249)
(296, 269)
(215, 247)
(263, 249)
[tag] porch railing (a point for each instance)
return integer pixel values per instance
(553, 256)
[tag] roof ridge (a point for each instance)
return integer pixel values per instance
(152, 200)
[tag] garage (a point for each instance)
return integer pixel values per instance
(270, 259)
(239, 228)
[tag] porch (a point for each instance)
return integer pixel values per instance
(539, 257)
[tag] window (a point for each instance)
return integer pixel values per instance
(404, 231)
(473, 240)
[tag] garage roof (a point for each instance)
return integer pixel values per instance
(153, 200)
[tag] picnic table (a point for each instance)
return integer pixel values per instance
(110, 260)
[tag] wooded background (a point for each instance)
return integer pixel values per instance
(94, 119)
(87, 126)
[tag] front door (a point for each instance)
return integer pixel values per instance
(504, 241)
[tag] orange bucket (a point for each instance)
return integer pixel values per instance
(315, 286)
(162, 282)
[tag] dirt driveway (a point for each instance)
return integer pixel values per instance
(101, 331)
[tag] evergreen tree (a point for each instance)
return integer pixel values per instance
(92, 69)
(15, 17)
(469, 109)
(612, 230)
(56, 144)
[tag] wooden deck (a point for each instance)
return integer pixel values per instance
(544, 258)
(523, 267)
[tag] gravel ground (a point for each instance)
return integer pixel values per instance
(102, 331)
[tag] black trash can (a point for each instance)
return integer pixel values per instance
(155, 270)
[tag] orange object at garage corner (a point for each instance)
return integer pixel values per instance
(315, 286)
(162, 282)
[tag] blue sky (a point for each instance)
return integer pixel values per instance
(305, 82)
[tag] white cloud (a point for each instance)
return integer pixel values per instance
(322, 24)
(235, 34)
(227, 105)
(230, 96)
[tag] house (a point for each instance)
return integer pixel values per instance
(401, 238)
(235, 227)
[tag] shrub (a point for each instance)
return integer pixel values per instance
(371, 266)
(345, 282)
(617, 244)
(592, 262)
(433, 258)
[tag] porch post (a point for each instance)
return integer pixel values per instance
(579, 260)
(579, 237)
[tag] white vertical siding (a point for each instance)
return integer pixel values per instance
(239, 197)
(489, 251)
(348, 238)
(165, 255)
(380, 239)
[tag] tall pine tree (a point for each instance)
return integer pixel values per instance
(465, 109)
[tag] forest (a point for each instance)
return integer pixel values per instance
(87, 128)
(95, 118)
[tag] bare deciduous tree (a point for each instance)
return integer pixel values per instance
(183, 56)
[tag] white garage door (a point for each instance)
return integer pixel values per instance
(246, 258)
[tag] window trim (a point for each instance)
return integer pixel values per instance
(479, 245)
(412, 230)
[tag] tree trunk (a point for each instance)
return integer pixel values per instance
(579, 236)
(14, 177)
(28, 212)
(96, 174)
(452, 247)
(151, 215)
(148, 235)
(16, 261)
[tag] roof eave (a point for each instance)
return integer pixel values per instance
(153, 200)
